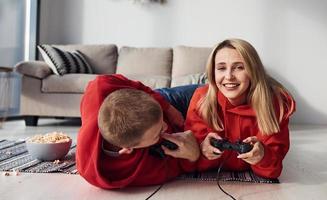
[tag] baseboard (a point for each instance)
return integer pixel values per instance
(12, 118)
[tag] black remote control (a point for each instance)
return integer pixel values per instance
(240, 147)
(170, 145)
(157, 151)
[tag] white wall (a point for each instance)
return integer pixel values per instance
(290, 35)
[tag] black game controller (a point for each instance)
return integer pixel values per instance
(224, 144)
(157, 151)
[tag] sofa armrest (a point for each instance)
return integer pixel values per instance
(35, 69)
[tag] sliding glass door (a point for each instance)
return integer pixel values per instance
(18, 39)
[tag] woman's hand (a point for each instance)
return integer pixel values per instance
(208, 150)
(188, 147)
(257, 152)
(175, 118)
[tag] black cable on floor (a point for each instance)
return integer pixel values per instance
(160, 186)
(153, 193)
(217, 179)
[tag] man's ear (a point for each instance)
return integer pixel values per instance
(126, 151)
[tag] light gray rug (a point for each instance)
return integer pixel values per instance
(15, 157)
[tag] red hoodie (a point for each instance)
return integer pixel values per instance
(240, 122)
(138, 168)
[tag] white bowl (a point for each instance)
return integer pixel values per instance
(48, 151)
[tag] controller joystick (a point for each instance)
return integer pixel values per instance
(224, 144)
(157, 151)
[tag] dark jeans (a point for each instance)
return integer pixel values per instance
(179, 97)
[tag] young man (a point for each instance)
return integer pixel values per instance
(121, 120)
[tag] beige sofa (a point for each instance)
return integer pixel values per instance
(46, 94)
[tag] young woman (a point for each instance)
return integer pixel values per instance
(241, 102)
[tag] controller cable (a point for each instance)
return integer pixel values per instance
(217, 179)
(153, 193)
(160, 186)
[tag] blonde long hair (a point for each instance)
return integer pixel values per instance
(263, 90)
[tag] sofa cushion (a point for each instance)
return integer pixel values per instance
(63, 62)
(189, 65)
(140, 61)
(68, 83)
(37, 69)
(152, 81)
(102, 58)
(199, 78)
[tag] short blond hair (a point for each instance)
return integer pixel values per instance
(125, 115)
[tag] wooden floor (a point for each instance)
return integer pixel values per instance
(304, 175)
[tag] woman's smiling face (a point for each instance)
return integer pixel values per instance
(231, 77)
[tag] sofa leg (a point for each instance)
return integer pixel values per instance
(31, 120)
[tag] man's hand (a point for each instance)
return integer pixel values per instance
(208, 150)
(188, 147)
(257, 152)
(175, 117)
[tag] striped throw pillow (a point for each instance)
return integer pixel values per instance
(63, 62)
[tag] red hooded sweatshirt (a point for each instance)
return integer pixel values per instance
(138, 168)
(239, 123)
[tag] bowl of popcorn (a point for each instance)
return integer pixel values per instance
(49, 147)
